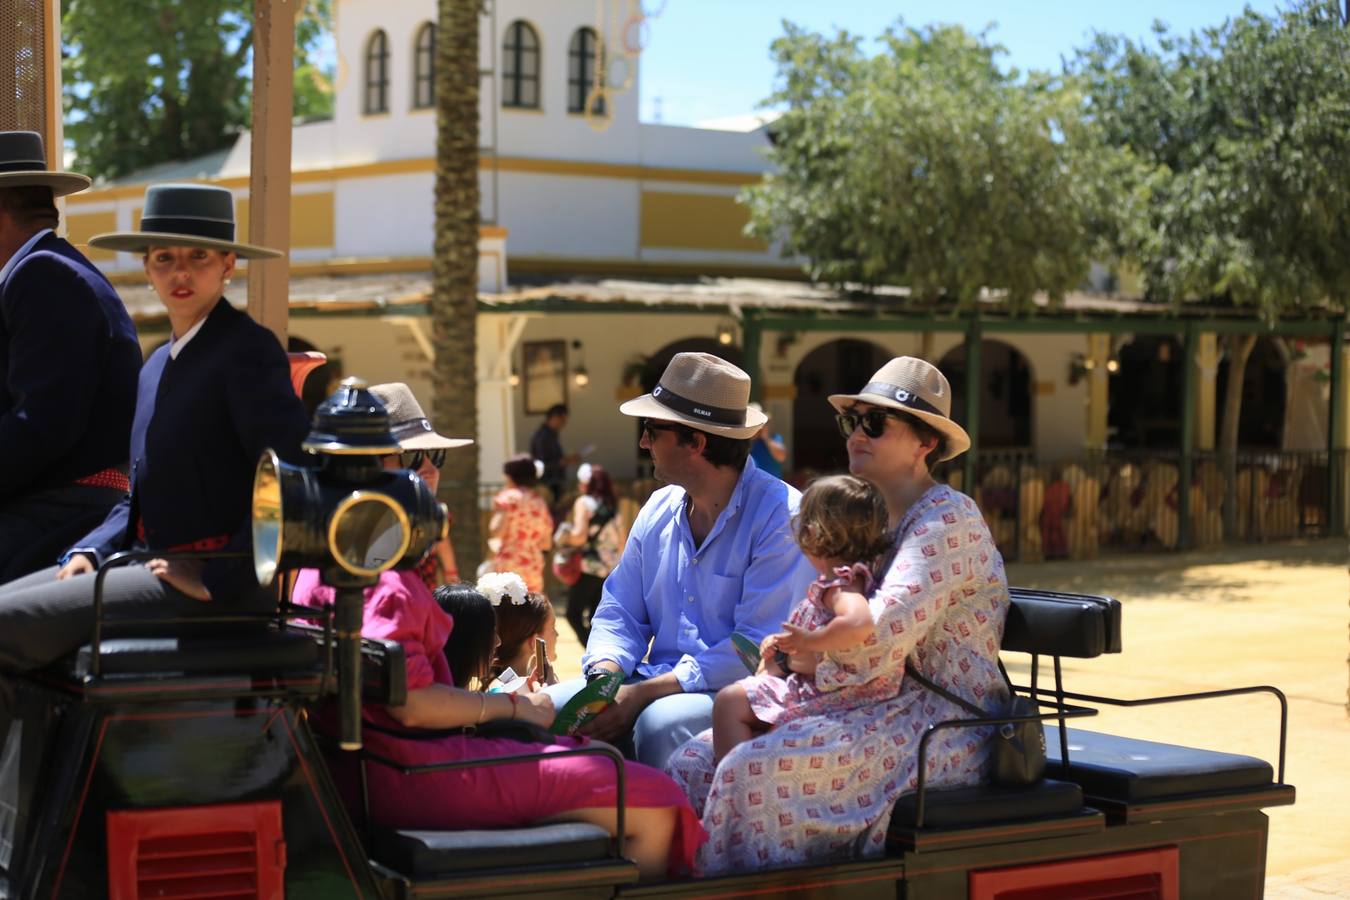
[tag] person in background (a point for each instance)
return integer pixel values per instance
(473, 639)
(69, 360)
(709, 555)
(769, 452)
(521, 527)
(546, 446)
(594, 520)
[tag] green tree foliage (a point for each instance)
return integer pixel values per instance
(1245, 126)
(148, 81)
(929, 165)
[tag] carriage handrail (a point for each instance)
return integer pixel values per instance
(1060, 712)
(591, 749)
(1197, 695)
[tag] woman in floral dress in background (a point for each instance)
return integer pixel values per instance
(821, 787)
(521, 528)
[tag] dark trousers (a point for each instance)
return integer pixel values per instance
(582, 600)
(37, 528)
(42, 619)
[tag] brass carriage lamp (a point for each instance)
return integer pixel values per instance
(347, 516)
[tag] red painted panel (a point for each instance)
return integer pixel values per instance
(1141, 875)
(231, 850)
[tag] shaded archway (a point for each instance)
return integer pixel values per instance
(1261, 421)
(1005, 393)
(839, 367)
(1145, 394)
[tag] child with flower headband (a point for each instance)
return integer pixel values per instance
(807, 668)
(523, 618)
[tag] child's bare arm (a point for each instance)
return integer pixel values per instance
(851, 625)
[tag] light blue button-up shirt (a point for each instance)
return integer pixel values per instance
(686, 600)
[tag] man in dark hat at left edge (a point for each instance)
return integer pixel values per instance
(69, 360)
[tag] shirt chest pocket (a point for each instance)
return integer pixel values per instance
(710, 604)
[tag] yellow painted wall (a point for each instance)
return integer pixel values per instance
(312, 220)
(695, 222)
(80, 228)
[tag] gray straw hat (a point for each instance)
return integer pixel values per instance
(704, 392)
(408, 424)
(184, 215)
(917, 387)
(23, 163)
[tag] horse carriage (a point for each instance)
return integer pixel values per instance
(193, 765)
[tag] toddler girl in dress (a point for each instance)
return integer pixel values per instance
(807, 668)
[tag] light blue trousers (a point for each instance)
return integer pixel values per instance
(660, 729)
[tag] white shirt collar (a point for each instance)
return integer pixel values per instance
(21, 253)
(176, 345)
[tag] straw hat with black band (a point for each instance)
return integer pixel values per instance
(916, 387)
(702, 391)
(184, 215)
(408, 424)
(23, 163)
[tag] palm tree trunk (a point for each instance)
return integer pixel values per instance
(454, 298)
(1239, 350)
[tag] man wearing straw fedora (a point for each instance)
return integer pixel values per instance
(68, 359)
(710, 555)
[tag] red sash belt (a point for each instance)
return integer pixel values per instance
(201, 545)
(112, 478)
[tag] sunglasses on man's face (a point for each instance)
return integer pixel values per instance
(872, 422)
(654, 428)
(412, 459)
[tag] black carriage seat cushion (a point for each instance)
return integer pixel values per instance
(422, 854)
(384, 672)
(1059, 624)
(267, 650)
(989, 804)
(1131, 770)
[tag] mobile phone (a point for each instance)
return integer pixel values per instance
(543, 672)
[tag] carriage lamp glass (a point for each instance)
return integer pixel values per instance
(368, 533)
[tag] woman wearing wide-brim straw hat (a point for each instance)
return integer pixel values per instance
(208, 403)
(939, 608)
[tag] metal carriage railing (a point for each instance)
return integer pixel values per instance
(1132, 500)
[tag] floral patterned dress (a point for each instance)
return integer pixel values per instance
(842, 677)
(820, 787)
(526, 534)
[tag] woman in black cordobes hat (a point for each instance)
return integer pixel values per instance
(208, 403)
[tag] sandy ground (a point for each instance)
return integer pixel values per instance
(1273, 614)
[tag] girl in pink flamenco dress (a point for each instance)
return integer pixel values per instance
(817, 663)
(663, 833)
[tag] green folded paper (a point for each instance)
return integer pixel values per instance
(587, 703)
(747, 650)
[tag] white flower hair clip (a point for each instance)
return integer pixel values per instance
(497, 586)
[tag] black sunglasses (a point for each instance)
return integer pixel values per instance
(872, 422)
(653, 428)
(412, 459)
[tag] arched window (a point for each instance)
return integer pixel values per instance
(581, 71)
(520, 66)
(377, 74)
(424, 67)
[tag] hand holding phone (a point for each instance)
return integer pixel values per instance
(543, 672)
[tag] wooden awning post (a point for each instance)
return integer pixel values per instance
(269, 184)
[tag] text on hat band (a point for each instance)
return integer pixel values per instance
(718, 415)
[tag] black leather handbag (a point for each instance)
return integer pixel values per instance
(1018, 747)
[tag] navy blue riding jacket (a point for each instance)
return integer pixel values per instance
(68, 359)
(202, 421)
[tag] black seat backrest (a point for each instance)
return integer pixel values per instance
(1053, 623)
(384, 671)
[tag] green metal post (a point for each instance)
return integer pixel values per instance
(972, 399)
(1336, 452)
(1187, 437)
(752, 340)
